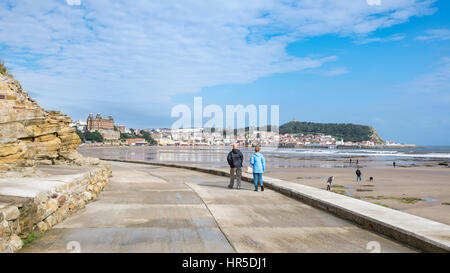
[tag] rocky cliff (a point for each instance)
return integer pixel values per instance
(30, 135)
(374, 137)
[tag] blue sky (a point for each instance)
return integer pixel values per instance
(386, 64)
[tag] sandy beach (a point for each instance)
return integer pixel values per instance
(423, 191)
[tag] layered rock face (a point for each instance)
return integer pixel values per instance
(30, 135)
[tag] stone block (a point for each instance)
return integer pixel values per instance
(10, 213)
(61, 200)
(42, 226)
(52, 205)
(4, 225)
(15, 242)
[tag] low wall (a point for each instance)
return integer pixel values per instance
(417, 232)
(35, 214)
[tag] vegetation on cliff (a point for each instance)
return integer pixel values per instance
(94, 136)
(347, 131)
(4, 70)
(143, 134)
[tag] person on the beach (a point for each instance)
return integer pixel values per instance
(393, 164)
(235, 159)
(329, 181)
(259, 165)
(358, 175)
(350, 161)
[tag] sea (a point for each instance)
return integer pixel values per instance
(287, 157)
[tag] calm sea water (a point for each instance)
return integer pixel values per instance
(284, 157)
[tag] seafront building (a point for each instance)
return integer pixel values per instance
(217, 137)
(79, 125)
(99, 123)
(103, 125)
(203, 137)
(136, 142)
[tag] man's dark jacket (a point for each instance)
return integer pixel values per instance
(358, 172)
(235, 159)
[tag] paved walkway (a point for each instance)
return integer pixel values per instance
(156, 209)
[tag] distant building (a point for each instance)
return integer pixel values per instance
(80, 125)
(165, 141)
(136, 141)
(110, 134)
(121, 128)
(99, 123)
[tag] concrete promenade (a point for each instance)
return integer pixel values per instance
(148, 208)
(420, 233)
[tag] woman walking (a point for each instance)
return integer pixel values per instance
(259, 165)
(329, 181)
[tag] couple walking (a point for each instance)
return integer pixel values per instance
(236, 158)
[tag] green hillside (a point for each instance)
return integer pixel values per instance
(347, 131)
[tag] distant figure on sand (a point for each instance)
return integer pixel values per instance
(329, 181)
(235, 159)
(393, 164)
(358, 175)
(350, 161)
(259, 165)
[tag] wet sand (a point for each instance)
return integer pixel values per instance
(423, 191)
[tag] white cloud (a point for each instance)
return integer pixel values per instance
(435, 34)
(374, 2)
(73, 2)
(331, 72)
(336, 71)
(368, 40)
(435, 83)
(144, 53)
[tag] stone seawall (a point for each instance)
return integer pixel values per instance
(417, 232)
(35, 213)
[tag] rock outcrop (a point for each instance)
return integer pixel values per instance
(374, 137)
(30, 135)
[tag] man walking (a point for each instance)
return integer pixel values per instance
(235, 159)
(358, 175)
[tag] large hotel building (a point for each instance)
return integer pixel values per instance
(99, 123)
(104, 125)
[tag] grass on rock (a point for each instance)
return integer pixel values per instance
(33, 236)
(4, 69)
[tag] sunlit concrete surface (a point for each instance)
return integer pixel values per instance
(158, 209)
(14, 189)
